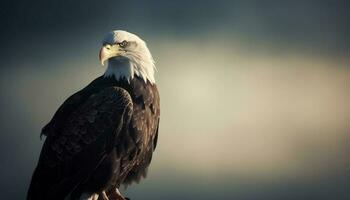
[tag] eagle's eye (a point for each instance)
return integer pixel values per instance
(123, 44)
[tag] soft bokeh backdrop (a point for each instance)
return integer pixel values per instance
(254, 94)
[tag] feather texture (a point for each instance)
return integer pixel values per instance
(101, 137)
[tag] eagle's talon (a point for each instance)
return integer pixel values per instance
(104, 196)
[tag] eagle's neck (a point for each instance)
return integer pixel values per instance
(125, 68)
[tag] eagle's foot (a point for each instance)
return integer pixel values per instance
(115, 195)
(104, 195)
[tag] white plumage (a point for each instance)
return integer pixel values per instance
(132, 61)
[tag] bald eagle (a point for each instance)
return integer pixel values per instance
(104, 135)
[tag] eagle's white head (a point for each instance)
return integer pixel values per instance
(127, 56)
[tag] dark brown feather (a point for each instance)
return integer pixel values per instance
(101, 137)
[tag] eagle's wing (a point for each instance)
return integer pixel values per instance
(69, 105)
(88, 134)
(151, 109)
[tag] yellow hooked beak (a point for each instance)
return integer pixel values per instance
(108, 51)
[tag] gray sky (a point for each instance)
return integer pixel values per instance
(254, 95)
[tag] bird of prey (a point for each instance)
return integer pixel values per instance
(103, 136)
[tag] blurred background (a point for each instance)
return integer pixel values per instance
(254, 94)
